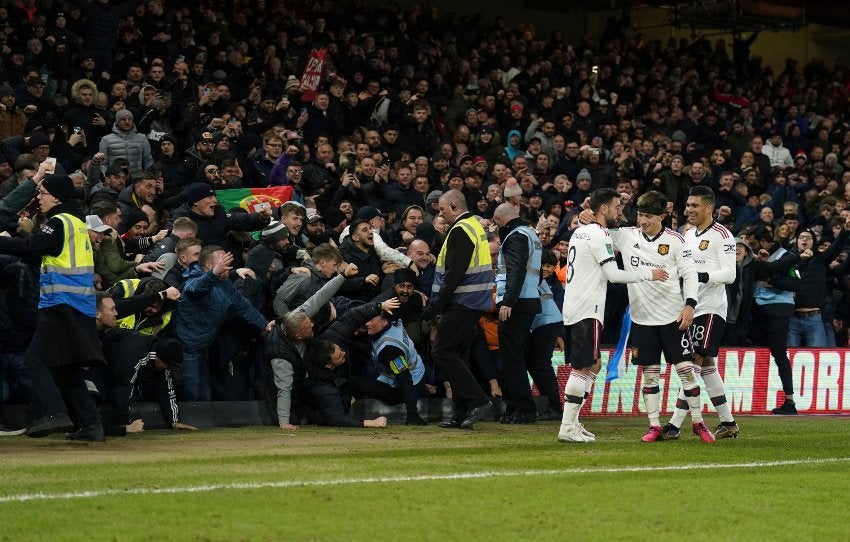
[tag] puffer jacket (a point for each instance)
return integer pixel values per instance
(130, 145)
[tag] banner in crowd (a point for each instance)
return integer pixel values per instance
(248, 197)
(312, 77)
(821, 383)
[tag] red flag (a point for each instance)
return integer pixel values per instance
(312, 74)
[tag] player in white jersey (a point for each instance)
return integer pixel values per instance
(591, 266)
(712, 248)
(662, 312)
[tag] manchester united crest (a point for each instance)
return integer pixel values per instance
(663, 249)
(703, 244)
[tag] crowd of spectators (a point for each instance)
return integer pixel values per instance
(152, 105)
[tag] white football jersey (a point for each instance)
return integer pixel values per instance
(713, 252)
(591, 247)
(655, 303)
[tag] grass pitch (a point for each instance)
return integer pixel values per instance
(784, 479)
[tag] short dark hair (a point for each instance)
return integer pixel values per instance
(601, 197)
(703, 192)
(101, 296)
(104, 208)
(207, 254)
(356, 223)
(548, 257)
(761, 233)
(320, 352)
(153, 286)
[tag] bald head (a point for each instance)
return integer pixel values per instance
(504, 213)
(452, 205)
(420, 253)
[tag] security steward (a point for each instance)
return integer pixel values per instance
(154, 317)
(399, 365)
(65, 339)
(463, 289)
(518, 300)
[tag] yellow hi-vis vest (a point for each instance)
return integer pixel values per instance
(68, 279)
(475, 290)
(143, 325)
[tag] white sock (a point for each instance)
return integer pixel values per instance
(681, 410)
(690, 387)
(573, 397)
(588, 389)
(717, 391)
(652, 394)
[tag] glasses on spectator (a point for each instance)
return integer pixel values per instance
(295, 171)
(212, 170)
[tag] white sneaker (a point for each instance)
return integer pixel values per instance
(572, 433)
(586, 433)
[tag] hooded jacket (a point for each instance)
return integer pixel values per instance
(513, 151)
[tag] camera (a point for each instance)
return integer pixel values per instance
(78, 130)
(471, 88)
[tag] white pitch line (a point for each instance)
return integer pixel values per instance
(395, 479)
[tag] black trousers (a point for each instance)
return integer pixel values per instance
(51, 384)
(772, 331)
(538, 358)
(450, 352)
(513, 339)
(406, 392)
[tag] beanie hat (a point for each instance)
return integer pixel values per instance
(274, 232)
(6, 90)
(123, 114)
(404, 275)
(38, 139)
(133, 217)
(198, 191)
(333, 217)
(60, 187)
(583, 174)
(512, 188)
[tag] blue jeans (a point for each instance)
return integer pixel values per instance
(195, 371)
(806, 331)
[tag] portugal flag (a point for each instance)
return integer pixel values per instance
(248, 197)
